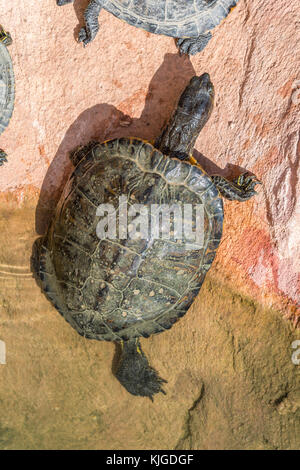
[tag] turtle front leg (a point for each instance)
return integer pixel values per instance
(91, 29)
(5, 37)
(192, 46)
(240, 189)
(3, 158)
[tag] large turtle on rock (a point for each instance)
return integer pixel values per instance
(190, 21)
(7, 86)
(118, 287)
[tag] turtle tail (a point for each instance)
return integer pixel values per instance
(135, 373)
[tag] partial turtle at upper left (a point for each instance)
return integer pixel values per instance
(7, 86)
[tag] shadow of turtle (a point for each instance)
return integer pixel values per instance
(79, 8)
(103, 121)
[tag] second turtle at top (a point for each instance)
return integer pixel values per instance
(190, 21)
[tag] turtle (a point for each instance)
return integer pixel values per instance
(190, 21)
(119, 287)
(7, 86)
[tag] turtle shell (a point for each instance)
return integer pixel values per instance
(124, 287)
(7, 87)
(175, 18)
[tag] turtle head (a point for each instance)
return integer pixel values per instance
(192, 113)
(196, 102)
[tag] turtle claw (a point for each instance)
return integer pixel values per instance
(247, 181)
(3, 157)
(240, 189)
(63, 2)
(245, 184)
(84, 37)
(88, 34)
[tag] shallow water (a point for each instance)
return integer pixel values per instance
(229, 385)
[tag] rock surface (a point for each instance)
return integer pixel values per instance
(233, 349)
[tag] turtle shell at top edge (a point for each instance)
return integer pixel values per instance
(119, 288)
(172, 17)
(7, 88)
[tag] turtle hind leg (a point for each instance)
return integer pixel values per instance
(192, 46)
(89, 32)
(3, 157)
(240, 189)
(135, 373)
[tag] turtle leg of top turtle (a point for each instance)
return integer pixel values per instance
(240, 189)
(89, 32)
(63, 2)
(3, 157)
(192, 46)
